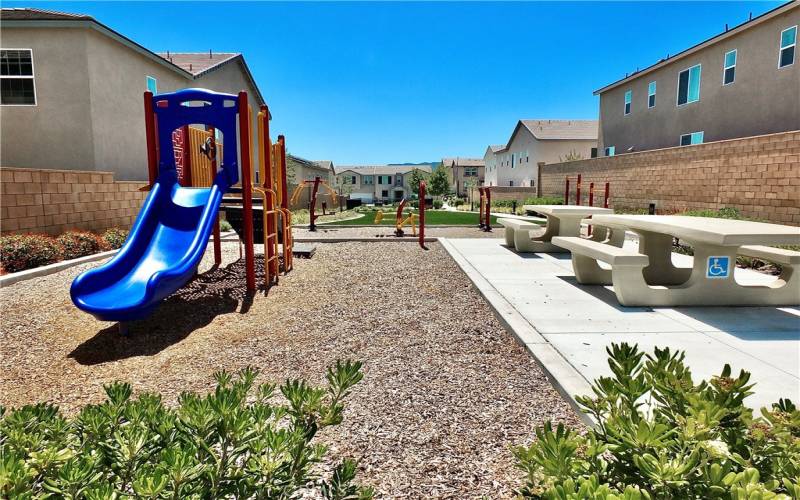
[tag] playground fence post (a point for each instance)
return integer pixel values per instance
(578, 191)
(213, 162)
(422, 215)
(591, 203)
(488, 224)
(605, 197)
(247, 195)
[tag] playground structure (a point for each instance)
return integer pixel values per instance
(411, 219)
(312, 203)
(180, 213)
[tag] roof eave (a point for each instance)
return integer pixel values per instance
(792, 4)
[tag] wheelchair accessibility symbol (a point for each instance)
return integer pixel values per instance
(718, 267)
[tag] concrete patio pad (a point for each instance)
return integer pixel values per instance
(570, 325)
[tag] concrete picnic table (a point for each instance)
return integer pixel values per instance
(649, 278)
(562, 220)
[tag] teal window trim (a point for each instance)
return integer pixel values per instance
(651, 95)
(610, 150)
(729, 67)
(628, 99)
(788, 43)
(691, 139)
(152, 84)
(693, 79)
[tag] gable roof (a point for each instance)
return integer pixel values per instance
(462, 162)
(560, 129)
(494, 148)
(750, 23)
(29, 17)
(198, 63)
(326, 164)
(383, 169)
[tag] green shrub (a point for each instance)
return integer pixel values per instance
(227, 444)
(659, 435)
(80, 243)
(115, 237)
(545, 200)
(437, 204)
(225, 226)
(722, 213)
(25, 251)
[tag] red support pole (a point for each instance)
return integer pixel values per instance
(487, 226)
(605, 198)
(284, 187)
(566, 191)
(247, 195)
(268, 183)
(152, 140)
(186, 156)
(422, 215)
(578, 191)
(591, 203)
(481, 191)
(217, 241)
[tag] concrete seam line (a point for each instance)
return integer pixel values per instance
(562, 375)
(38, 272)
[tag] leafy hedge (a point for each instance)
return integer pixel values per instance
(544, 200)
(26, 251)
(659, 435)
(76, 244)
(232, 443)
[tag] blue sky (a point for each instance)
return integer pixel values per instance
(367, 83)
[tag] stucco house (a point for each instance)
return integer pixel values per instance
(72, 91)
(299, 169)
(385, 183)
(463, 172)
(742, 82)
(538, 141)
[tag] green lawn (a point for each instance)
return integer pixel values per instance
(432, 218)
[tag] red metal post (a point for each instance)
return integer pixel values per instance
(150, 133)
(591, 203)
(283, 186)
(480, 207)
(217, 241)
(578, 191)
(605, 197)
(566, 191)
(422, 215)
(247, 195)
(487, 226)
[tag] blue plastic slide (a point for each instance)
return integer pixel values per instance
(170, 234)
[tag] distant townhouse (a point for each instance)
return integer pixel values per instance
(463, 173)
(385, 183)
(740, 83)
(535, 141)
(299, 169)
(72, 91)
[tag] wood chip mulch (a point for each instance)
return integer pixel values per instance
(446, 391)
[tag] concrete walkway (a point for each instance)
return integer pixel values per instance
(539, 291)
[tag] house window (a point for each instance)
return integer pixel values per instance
(729, 68)
(511, 183)
(385, 193)
(470, 171)
(368, 180)
(352, 179)
(651, 95)
(610, 150)
(152, 85)
(689, 85)
(693, 138)
(16, 78)
(788, 46)
(512, 160)
(628, 96)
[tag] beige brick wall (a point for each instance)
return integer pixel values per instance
(54, 201)
(760, 176)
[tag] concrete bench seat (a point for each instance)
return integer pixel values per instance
(771, 254)
(518, 233)
(610, 254)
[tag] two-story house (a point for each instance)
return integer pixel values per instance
(464, 173)
(742, 82)
(385, 183)
(72, 91)
(534, 141)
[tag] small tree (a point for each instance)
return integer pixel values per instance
(414, 179)
(439, 185)
(571, 156)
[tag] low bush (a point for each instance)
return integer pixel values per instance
(659, 435)
(115, 237)
(437, 204)
(80, 243)
(25, 251)
(544, 200)
(232, 443)
(225, 226)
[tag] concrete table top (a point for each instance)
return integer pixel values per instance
(710, 230)
(557, 210)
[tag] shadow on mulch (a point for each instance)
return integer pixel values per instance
(215, 292)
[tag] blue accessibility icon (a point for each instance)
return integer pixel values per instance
(718, 267)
